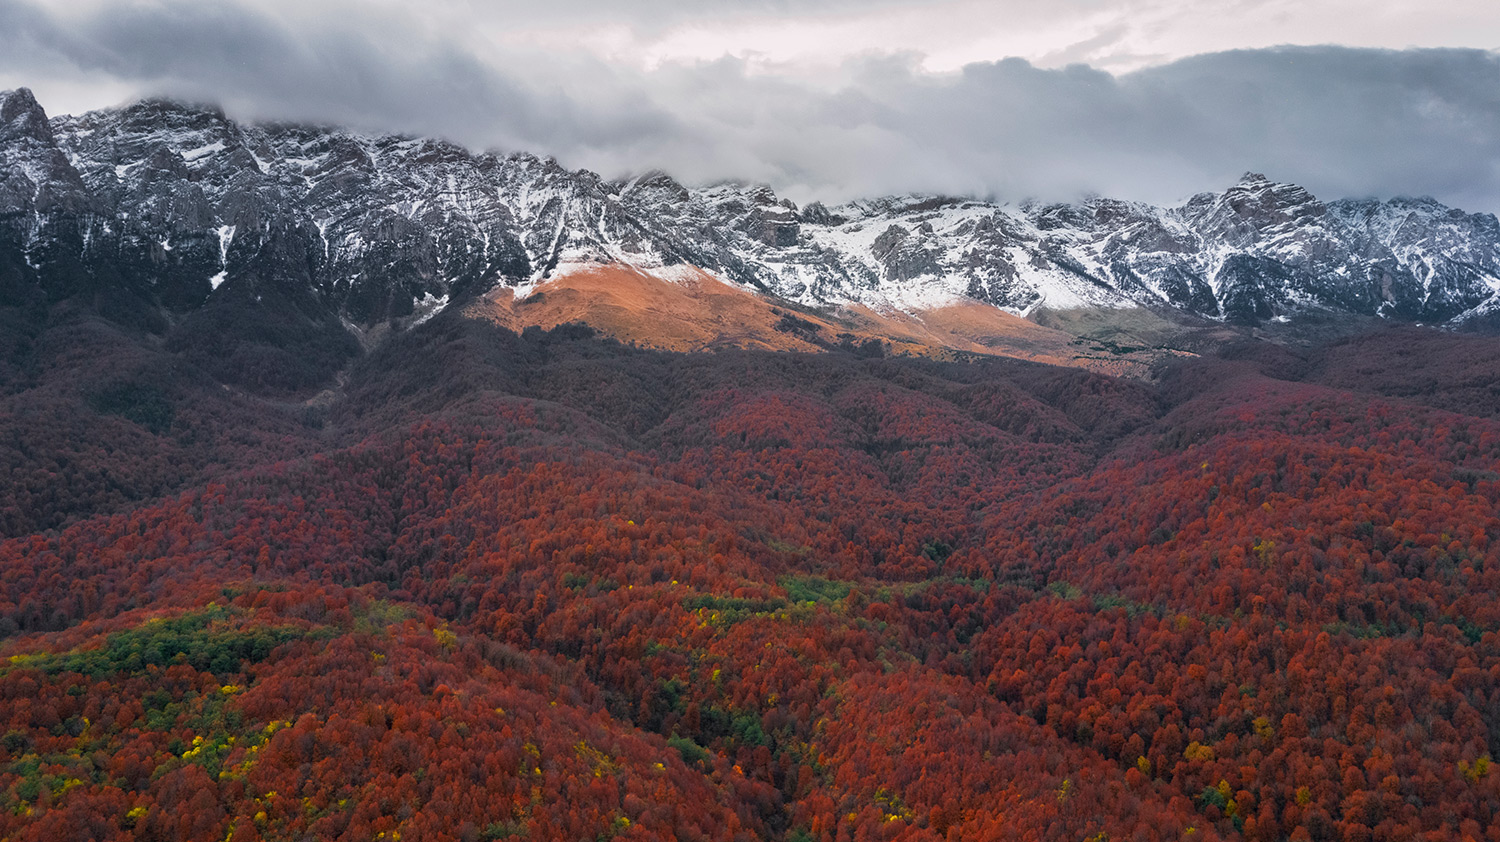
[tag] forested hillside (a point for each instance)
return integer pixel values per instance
(548, 586)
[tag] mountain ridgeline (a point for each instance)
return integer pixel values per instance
(261, 243)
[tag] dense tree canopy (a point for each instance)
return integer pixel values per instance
(548, 586)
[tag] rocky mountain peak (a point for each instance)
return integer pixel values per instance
(21, 116)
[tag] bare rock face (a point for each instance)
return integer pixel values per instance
(185, 212)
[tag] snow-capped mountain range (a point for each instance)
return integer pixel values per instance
(183, 206)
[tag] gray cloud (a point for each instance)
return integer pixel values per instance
(1345, 121)
(1342, 121)
(258, 66)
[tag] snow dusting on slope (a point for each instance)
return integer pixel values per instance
(382, 225)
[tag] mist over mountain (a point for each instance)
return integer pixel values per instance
(868, 106)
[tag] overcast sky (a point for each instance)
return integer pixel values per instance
(835, 99)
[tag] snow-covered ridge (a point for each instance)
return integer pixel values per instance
(187, 205)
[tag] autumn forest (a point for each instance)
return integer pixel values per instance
(549, 586)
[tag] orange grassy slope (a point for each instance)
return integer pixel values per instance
(686, 309)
